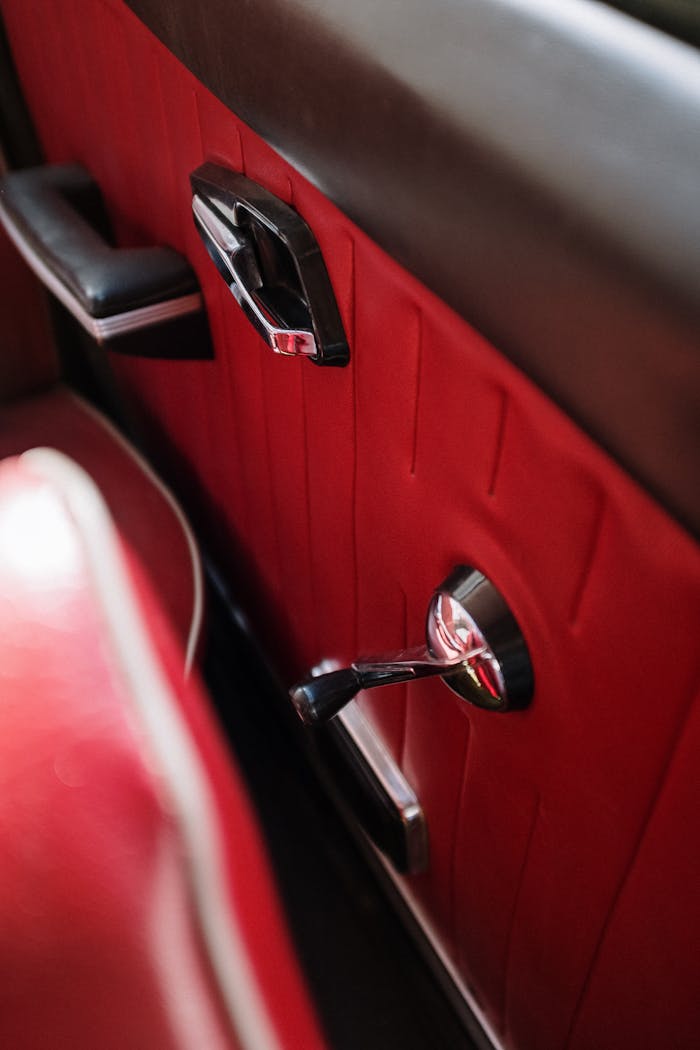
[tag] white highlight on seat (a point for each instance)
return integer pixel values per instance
(170, 743)
(39, 540)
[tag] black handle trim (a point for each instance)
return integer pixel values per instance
(56, 217)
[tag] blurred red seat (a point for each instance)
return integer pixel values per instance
(136, 906)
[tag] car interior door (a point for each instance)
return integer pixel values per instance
(505, 197)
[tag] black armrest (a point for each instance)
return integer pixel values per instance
(56, 217)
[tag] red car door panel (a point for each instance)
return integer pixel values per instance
(350, 493)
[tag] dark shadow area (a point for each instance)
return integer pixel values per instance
(371, 986)
(679, 18)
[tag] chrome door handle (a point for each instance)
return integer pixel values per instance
(473, 643)
(233, 253)
(271, 263)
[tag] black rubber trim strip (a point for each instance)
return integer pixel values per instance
(534, 163)
(60, 213)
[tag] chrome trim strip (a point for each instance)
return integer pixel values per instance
(100, 328)
(145, 316)
(393, 783)
(428, 931)
(367, 740)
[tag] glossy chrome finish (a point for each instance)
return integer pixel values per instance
(473, 643)
(320, 697)
(271, 262)
(373, 763)
(234, 256)
(467, 611)
(441, 963)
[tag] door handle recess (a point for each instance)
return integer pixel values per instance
(55, 216)
(271, 263)
(233, 253)
(472, 642)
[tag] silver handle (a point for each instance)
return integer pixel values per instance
(234, 256)
(319, 697)
(473, 643)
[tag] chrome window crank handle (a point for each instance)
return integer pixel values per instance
(319, 697)
(473, 643)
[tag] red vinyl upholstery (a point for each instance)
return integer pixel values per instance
(149, 519)
(27, 361)
(563, 872)
(136, 908)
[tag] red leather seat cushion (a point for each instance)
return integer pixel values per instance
(149, 521)
(101, 935)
